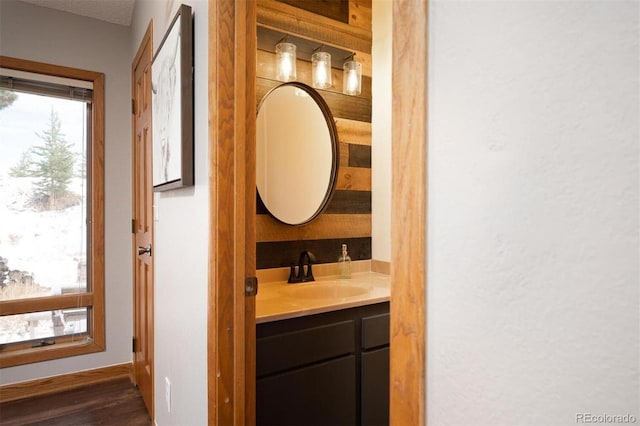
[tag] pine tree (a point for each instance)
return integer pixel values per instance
(23, 168)
(7, 97)
(54, 163)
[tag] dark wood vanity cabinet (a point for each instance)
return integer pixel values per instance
(325, 369)
(374, 366)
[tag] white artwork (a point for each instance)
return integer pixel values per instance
(166, 107)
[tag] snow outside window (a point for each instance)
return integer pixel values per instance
(47, 288)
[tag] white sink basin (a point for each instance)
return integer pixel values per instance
(331, 290)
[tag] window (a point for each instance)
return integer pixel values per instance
(51, 212)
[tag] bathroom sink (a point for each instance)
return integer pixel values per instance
(333, 290)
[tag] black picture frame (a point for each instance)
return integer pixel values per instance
(172, 105)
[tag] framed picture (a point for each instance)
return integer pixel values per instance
(172, 105)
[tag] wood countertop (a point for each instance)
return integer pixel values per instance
(280, 300)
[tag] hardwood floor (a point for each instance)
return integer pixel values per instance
(114, 403)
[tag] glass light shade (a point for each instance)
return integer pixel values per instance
(286, 61)
(321, 70)
(352, 78)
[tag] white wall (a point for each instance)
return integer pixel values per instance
(180, 246)
(44, 35)
(381, 132)
(533, 309)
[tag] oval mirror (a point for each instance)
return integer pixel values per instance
(296, 153)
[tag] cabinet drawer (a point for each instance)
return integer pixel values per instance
(290, 350)
(375, 331)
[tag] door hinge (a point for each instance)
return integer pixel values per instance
(133, 226)
(133, 344)
(133, 106)
(251, 286)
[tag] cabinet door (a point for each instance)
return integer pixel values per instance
(375, 387)
(321, 394)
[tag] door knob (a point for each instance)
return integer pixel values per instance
(143, 250)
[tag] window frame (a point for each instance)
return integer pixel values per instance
(12, 354)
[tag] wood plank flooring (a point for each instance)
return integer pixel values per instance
(115, 403)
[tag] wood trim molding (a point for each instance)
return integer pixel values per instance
(96, 248)
(49, 303)
(408, 211)
(63, 382)
(94, 297)
(49, 69)
(249, 219)
(65, 346)
(230, 314)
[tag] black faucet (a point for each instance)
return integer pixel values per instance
(304, 272)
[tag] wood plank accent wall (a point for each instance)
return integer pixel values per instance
(293, 20)
(347, 218)
(338, 10)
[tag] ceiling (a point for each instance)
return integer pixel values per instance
(114, 11)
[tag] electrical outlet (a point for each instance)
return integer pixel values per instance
(167, 393)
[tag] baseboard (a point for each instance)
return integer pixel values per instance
(63, 382)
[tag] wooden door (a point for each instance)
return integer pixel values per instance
(142, 226)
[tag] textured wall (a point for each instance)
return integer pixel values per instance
(180, 243)
(46, 35)
(533, 278)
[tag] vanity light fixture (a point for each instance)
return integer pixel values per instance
(321, 69)
(352, 77)
(285, 61)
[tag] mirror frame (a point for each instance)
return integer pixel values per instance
(335, 148)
